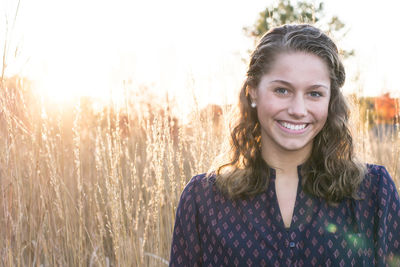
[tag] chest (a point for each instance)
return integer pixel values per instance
(254, 230)
(286, 194)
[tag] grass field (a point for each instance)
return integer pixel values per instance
(79, 188)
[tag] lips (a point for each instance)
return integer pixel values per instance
(293, 127)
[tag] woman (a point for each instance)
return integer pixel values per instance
(293, 193)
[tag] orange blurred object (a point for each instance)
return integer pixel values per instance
(386, 108)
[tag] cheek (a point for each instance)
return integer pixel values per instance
(322, 113)
(266, 112)
(319, 111)
(269, 105)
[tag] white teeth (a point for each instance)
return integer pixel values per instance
(295, 127)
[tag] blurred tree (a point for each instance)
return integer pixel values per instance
(285, 12)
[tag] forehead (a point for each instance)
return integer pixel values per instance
(299, 68)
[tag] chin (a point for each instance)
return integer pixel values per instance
(295, 147)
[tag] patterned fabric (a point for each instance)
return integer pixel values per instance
(211, 230)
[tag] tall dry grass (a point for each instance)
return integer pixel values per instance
(79, 188)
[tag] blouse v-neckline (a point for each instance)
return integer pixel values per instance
(272, 184)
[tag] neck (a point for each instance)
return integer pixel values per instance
(285, 161)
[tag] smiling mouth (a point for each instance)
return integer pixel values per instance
(293, 127)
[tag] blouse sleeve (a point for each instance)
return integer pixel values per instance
(387, 234)
(185, 248)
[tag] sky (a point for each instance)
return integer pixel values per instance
(188, 49)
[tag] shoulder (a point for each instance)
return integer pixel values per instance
(198, 188)
(379, 176)
(377, 182)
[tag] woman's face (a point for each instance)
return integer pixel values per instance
(292, 101)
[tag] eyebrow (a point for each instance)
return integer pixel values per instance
(289, 84)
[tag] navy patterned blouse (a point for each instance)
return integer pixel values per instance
(211, 230)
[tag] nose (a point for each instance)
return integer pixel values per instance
(298, 107)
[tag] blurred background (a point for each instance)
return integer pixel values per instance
(180, 48)
(107, 108)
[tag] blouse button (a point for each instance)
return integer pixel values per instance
(292, 244)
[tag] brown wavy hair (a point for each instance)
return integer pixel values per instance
(331, 172)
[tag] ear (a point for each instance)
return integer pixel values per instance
(253, 93)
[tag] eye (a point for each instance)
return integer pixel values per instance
(281, 91)
(315, 94)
